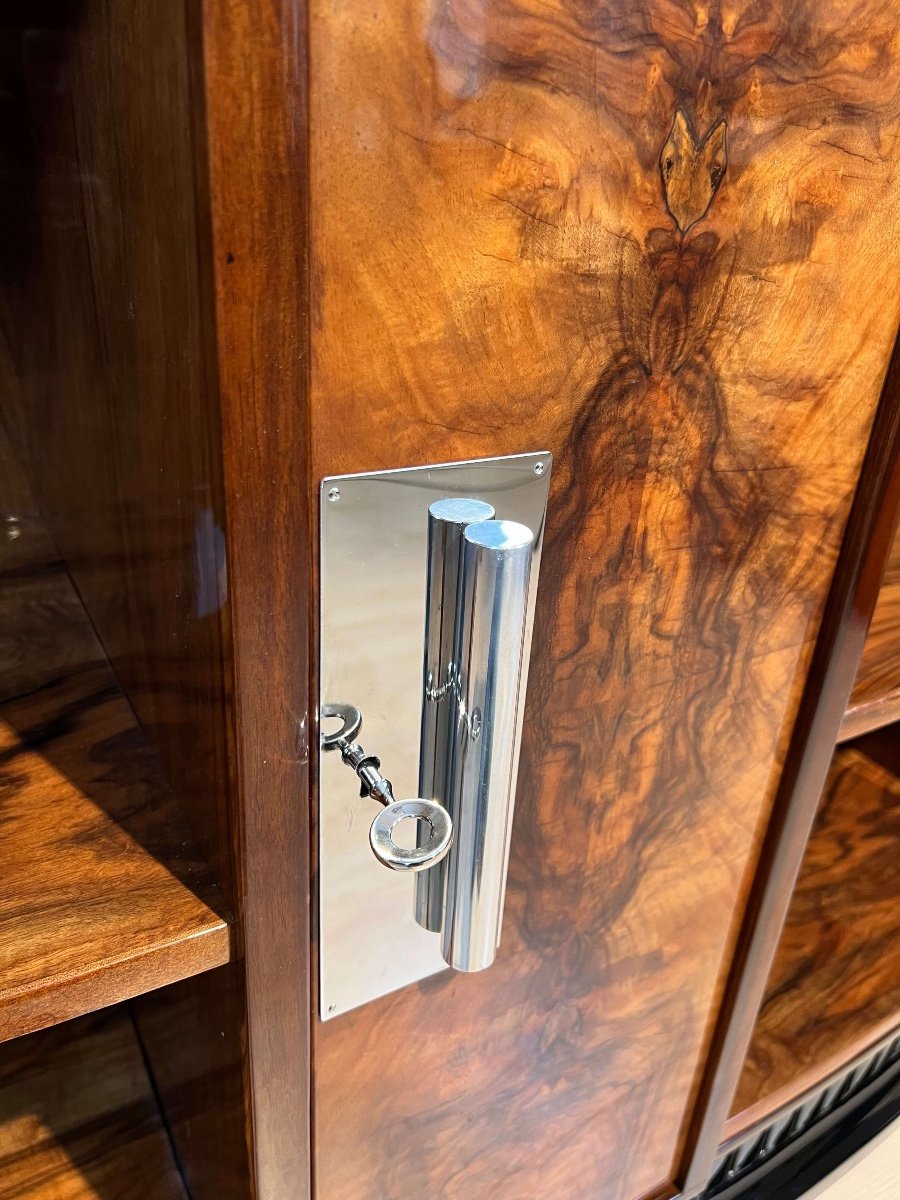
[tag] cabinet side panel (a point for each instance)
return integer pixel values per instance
(255, 56)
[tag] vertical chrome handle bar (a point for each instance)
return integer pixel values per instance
(490, 643)
(447, 522)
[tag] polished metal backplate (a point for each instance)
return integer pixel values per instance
(374, 531)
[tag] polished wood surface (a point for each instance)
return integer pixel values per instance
(78, 1119)
(503, 259)
(875, 699)
(834, 988)
(101, 893)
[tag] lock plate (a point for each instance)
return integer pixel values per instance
(374, 531)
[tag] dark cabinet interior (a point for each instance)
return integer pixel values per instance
(104, 895)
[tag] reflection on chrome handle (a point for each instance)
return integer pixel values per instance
(478, 577)
(447, 522)
(490, 633)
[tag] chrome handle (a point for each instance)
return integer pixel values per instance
(478, 580)
(490, 636)
(447, 522)
(430, 848)
(384, 535)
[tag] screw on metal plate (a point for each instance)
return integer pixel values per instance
(334, 494)
(373, 783)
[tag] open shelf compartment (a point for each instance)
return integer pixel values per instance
(875, 699)
(101, 894)
(834, 988)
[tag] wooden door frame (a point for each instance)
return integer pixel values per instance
(252, 57)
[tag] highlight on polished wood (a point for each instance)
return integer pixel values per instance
(834, 989)
(78, 1118)
(654, 243)
(875, 699)
(101, 895)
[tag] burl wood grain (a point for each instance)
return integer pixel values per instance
(835, 984)
(101, 894)
(78, 1119)
(875, 699)
(502, 261)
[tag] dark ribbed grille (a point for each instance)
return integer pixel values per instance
(741, 1158)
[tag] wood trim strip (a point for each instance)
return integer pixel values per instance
(110, 982)
(849, 608)
(255, 83)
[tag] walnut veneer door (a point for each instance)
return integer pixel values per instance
(661, 240)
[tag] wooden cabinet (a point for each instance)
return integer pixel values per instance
(247, 246)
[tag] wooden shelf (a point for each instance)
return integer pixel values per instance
(101, 897)
(78, 1119)
(834, 988)
(875, 699)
